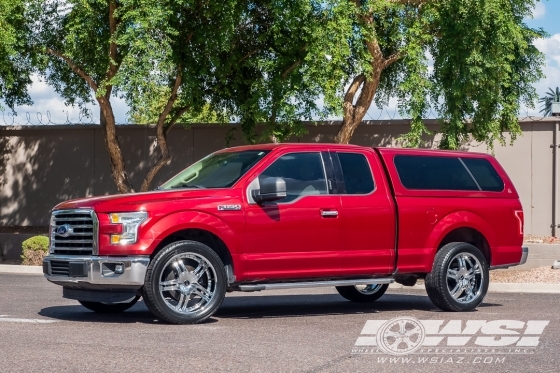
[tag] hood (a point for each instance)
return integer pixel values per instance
(134, 201)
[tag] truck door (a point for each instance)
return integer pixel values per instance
(367, 213)
(298, 236)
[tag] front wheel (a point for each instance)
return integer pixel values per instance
(185, 283)
(459, 279)
(362, 293)
(100, 307)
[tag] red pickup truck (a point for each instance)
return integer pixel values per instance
(292, 215)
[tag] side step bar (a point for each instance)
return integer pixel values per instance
(314, 284)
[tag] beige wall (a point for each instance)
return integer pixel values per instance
(44, 165)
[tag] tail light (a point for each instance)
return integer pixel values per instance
(520, 220)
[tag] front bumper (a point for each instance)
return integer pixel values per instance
(96, 272)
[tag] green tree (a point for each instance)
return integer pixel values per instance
(177, 60)
(138, 49)
(15, 65)
(294, 52)
(484, 64)
(547, 100)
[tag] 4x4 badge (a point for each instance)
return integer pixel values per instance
(229, 207)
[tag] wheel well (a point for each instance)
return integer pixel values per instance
(209, 239)
(469, 235)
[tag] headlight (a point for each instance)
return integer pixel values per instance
(130, 222)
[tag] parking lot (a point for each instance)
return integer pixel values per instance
(312, 330)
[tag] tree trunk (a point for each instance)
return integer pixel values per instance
(165, 158)
(354, 113)
(107, 120)
(161, 132)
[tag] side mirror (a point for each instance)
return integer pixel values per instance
(272, 189)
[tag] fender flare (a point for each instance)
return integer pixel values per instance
(193, 219)
(456, 220)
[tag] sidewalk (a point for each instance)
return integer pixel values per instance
(20, 269)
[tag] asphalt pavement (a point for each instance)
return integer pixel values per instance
(307, 330)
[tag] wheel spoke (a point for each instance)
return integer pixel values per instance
(416, 330)
(461, 261)
(402, 326)
(169, 285)
(202, 292)
(199, 271)
(473, 272)
(390, 333)
(456, 291)
(408, 342)
(469, 294)
(182, 303)
(180, 267)
(396, 343)
(453, 274)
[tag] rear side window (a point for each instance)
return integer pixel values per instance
(357, 173)
(485, 174)
(436, 173)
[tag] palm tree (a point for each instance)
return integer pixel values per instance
(547, 100)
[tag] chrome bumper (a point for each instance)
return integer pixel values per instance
(523, 260)
(524, 255)
(91, 271)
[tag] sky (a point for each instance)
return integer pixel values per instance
(48, 107)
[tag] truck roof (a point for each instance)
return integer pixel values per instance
(383, 150)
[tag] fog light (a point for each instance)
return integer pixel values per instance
(119, 269)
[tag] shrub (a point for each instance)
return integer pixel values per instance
(34, 250)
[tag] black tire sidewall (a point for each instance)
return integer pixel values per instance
(152, 295)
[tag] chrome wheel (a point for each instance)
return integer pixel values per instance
(368, 289)
(464, 277)
(188, 283)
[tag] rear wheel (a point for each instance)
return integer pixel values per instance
(459, 279)
(100, 307)
(362, 293)
(185, 283)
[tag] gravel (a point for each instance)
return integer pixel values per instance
(541, 239)
(542, 275)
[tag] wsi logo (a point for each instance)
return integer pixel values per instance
(406, 335)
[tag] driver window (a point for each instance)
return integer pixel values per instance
(303, 173)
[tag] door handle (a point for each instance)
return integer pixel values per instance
(329, 213)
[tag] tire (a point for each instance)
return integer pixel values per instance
(100, 307)
(459, 279)
(370, 293)
(185, 283)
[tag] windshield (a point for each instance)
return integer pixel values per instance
(218, 170)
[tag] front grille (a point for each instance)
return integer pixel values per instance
(74, 232)
(60, 268)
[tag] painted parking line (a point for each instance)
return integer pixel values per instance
(5, 318)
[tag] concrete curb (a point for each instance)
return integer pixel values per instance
(496, 287)
(20, 269)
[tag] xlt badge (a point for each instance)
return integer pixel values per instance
(229, 207)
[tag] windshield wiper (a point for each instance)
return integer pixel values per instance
(187, 185)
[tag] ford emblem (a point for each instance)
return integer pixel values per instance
(64, 230)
